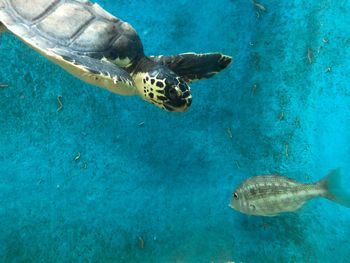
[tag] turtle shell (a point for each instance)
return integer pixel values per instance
(77, 26)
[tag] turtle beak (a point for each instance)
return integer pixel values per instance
(182, 108)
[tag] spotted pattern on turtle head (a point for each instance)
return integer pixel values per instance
(171, 94)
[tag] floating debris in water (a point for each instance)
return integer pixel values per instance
(229, 133)
(259, 6)
(77, 157)
(238, 165)
(141, 242)
(3, 85)
(254, 89)
(260, 9)
(60, 104)
(281, 116)
(271, 195)
(141, 124)
(328, 70)
(309, 55)
(324, 40)
(287, 150)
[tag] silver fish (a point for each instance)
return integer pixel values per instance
(271, 195)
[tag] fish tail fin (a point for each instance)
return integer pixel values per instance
(332, 190)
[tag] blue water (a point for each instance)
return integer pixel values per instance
(169, 181)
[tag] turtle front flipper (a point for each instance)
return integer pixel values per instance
(192, 66)
(100, 73)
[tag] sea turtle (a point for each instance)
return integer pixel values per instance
(105, 51)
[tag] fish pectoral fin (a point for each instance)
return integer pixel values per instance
(252, 207)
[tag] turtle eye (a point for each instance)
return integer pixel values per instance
(235, 195)
(174, 94)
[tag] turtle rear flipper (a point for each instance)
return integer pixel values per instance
(192, 66)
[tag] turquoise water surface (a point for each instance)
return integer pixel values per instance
(168, 182)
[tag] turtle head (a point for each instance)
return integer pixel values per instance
(163, 88)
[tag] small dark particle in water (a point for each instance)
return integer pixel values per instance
(328, 70)
(282, 116)
(309, 55)
(254, 89)
(229, 133)
(238, 165)
(60, 104)
(297, 122)
(141, 242)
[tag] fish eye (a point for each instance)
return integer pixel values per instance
(235, 195)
